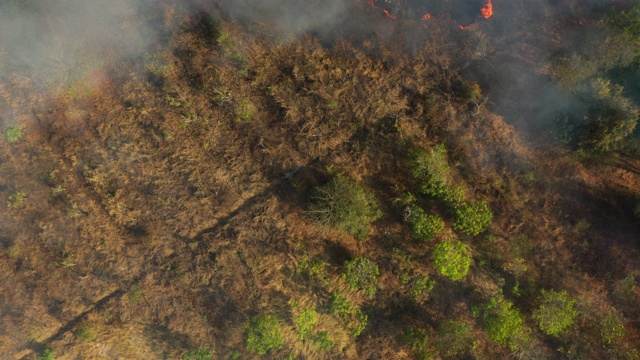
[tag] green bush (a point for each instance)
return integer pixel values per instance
(454, 338)
(13, 133)
(197, 354)
(556, 313)
(48, 354)
(612, 329)
(472, 218)
(16, 200)
(425, 227)
(305, 322)
(420, 285)
(354, 319)
(361, 274)
(419, 341)
(431, 168)
(264, 335)
(346, 206)
(502, 322)
(452, 259)
(87, 332)
(322, 340)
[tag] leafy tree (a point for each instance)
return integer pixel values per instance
(555, 313)
(502, 322)
(264, 334)
(431, 168)
(609, 119)
(425, 227)
(346, 206)
(472, 218)
(454, 338)
(361, 273)
(197, 354)
(452, 259)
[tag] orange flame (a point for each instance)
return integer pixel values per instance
(385, 11)
(426, 16)
(487, 9)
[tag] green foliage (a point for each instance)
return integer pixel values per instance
(627, 21)
(346, 206)
(610, 118)
(13, 133)
(612, 329)
(197, 354)
(305, 322)
(425, 227)
(48, 354)
(352, 316)
(322, 340)
(361, 274)
(502, 322)
(556, 313)
(420, 285)
(87, 332)
(454, 338)
(472, 218)
(245, 110)
(452, 259)
(419, 341)
(431, 168)
(16, 200)
(264, 334)
(313, 268)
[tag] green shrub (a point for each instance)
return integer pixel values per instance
(48, 354)
(472, 218)
(346, 206)
(352, 316)
(556, 313)
(361, 274)
(425, 227)
(452, 259)
(612, 329)
(264, 335)
(454, 338)
(420, 285)
(305, 322)
(502, 322)
(16, 200)
(431, 168)
(419, 341)
(197, 354)
(13, 133)
(322, 340)
(87, 332)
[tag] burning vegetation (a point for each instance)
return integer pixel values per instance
(207, 184)
(464, 12)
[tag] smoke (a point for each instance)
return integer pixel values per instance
(292, 16)
(58, 42)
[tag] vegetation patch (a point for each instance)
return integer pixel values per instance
(556, 312)
(13, 133)
(264, 335)
(501, 321)
(346, 206)
(452, 259)
(361, 274)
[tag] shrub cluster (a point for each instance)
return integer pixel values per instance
(264, 334)
(452, 259)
